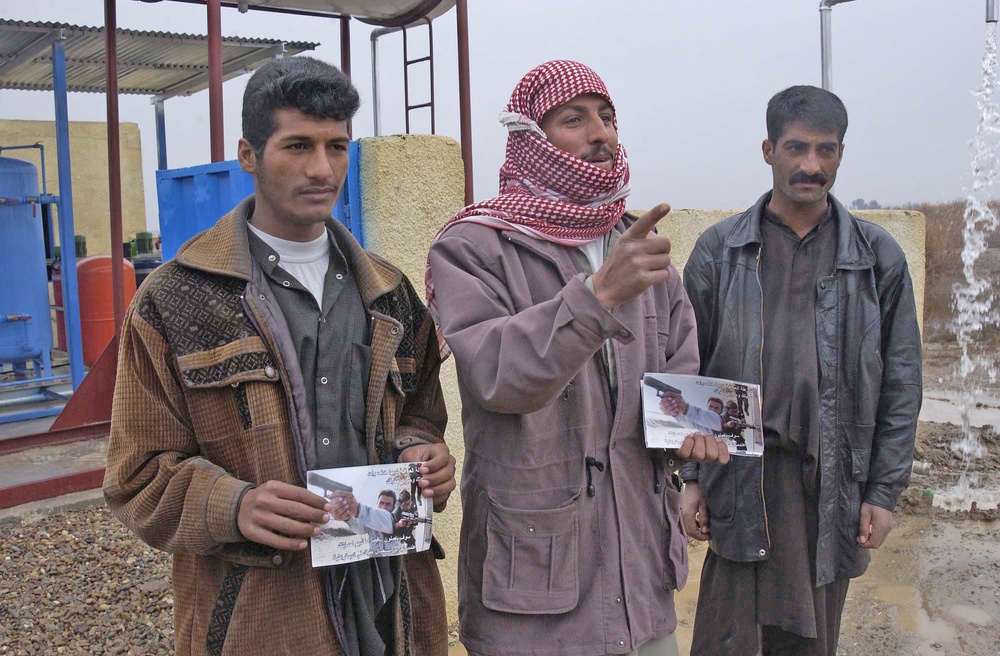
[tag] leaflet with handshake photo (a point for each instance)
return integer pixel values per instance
(675, 405)
(378, 511)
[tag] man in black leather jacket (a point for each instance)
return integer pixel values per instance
(817, 306)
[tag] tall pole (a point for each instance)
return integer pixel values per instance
(161, 136)
(71, 297)
(345, 55)
(465, 95)
(114, 164)
(218, 139)
(826, 40)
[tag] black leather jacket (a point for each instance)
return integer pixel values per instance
(870, 390)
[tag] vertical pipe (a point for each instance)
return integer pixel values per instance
(826, 47)
(991, 11)
(464, 94)
(406, 82)
(430, 64)
(71, 299)
(345, 56)
(161, 136)
(114, 164)
(345, 45)
(376, 109)
(218, 139)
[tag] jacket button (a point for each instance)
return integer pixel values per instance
(621, 643)
(326, 441)
(670, 463)
(618, 599)
(395, 330)
(531, 529)
(822, 285)
(762, 552)
(269, 371)
(623, 333)
(271, 258)
(276, 560)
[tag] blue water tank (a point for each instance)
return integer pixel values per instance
(25, 324)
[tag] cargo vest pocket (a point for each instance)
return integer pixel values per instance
(531, 560)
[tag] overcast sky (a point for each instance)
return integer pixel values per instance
(690, 80)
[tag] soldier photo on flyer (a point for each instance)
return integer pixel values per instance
(676, 405)
(377, 511)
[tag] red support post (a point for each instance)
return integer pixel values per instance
(345, 56)
(465, 95)
(114, 163)
(218, 139)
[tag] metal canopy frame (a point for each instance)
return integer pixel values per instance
(425, 9)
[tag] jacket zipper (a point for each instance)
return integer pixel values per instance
(760, 355)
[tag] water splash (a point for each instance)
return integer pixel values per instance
(973, 299)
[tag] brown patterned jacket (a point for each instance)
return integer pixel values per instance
(207, 403)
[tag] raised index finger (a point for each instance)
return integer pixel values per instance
(645, 224)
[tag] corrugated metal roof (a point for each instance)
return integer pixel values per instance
(379, 11)
(162, 64)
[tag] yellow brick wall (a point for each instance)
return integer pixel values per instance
(411, 184)
(88, 154)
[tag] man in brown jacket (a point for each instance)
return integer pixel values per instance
(555, 303)
(272, 345)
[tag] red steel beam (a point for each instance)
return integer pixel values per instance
(51, 438)
(48, 488)
(218, 139)
(114, 163)
(465, 95)
(345, 57)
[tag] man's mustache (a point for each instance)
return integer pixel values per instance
(802, 178)
(600, 150)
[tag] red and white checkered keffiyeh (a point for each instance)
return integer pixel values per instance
(546, 192)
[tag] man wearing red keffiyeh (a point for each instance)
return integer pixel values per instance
(554, 302)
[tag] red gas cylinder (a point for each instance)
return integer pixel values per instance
(97, 303)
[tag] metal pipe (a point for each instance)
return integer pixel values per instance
(215, 118)
(465, 95)
(35, 397)
(41, 155)
(71, 299)
(826, 48)
(161, 136)
(114, 165)
(376, 102)
(991, 11)
(345, 57)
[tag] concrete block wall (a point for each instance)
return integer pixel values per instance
(411, 184)
(88, 152)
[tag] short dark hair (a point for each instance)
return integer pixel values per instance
(309, 85)
(717, 400)
(404, 496)
(817, 108)
(388, 493)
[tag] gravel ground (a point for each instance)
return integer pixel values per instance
(78, 583)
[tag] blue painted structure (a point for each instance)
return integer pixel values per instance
(25, 323)
(193, 199)
(71, 302)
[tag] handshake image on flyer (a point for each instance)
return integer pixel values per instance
(377, 511)
(676, 405)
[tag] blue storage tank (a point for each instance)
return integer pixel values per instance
(25, 323)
